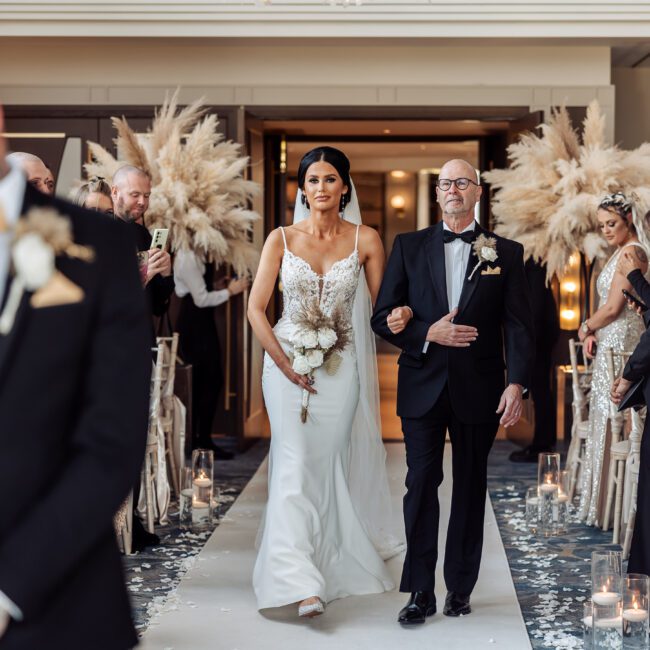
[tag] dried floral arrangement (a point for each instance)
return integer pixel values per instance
(317, 342)
(198, 187)
(548, 198)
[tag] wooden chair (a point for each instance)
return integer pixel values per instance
(618, 452)
(169, 346)
(151, 451)
(632, 469)
(580, 376)
(123, 524)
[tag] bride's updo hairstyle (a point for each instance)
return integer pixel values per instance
(334, 157)
(620, 205)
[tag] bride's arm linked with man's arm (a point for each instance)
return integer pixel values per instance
(395, 320)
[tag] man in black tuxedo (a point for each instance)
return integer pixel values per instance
(75, 368)
(466, 293)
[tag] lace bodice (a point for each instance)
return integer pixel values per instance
(624, 333)
(301, 285)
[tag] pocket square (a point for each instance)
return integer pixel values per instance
(491, 271)
(58, 291)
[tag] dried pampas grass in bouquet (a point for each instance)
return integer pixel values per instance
(548, 198)
(198, 187)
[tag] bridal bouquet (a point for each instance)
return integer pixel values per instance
(316, 343)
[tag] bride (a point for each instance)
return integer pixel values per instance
(325, 529)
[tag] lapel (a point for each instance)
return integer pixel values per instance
(469, 287)
(435, 252)
(9, 341)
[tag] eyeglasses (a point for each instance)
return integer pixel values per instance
(461, 183)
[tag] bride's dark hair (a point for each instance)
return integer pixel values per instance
(334, 157)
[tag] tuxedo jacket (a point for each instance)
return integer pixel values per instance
(74, 385)
(495, 301)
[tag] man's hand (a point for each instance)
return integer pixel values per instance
(237, 286)
(444, 332)
(160, 262)
(398, 319)
(629, 261)
(510, 405)
(4, 622)
(619, 388)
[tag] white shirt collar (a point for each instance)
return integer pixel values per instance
(472, 226)
(12, 193)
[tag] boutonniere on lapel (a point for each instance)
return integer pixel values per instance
(485, 248)
(39, 238)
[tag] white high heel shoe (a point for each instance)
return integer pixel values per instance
(312, 609)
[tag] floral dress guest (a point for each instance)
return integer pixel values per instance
(613, 326)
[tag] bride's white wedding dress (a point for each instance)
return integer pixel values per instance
(314, 542)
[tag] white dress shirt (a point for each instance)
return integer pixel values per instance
(188, 278)
(12, 194)
(456, 258)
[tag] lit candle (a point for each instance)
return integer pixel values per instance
(614, 621)
(605, 597)
(202, 480)
(199, 505)
(548, 487)
(634, 614)
(562, 498)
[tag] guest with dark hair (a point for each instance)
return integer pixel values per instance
(95, 194)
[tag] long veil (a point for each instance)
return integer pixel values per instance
(367, 479)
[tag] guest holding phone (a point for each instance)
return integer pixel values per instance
(199, 340)
(130, 192)
(612, 326)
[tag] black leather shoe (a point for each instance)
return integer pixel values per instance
(420, 605)
(456, 605)
(527, 454)
(141, 537)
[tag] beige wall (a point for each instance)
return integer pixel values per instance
(156, 62)
(632, 106)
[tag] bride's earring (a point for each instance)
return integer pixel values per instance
(343, 203)
(304, 201)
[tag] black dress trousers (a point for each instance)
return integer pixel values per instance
(424, 439)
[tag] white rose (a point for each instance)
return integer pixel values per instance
(308, 339)
(326, 337)
(34, 261)
(314, 358)
(488, 253)
(300, 364)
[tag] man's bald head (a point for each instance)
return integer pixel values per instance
(130, 192)
(457, 203)
(461, 166)
(38, 174)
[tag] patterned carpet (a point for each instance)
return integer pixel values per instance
(551, 576)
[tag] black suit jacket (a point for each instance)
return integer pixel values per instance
(74, 384)
(497, 305)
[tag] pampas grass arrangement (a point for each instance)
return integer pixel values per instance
(548, 198)
(198, 188)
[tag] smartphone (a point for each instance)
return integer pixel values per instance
(159, 238)
(633, 299)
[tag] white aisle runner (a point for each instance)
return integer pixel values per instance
(216, 606)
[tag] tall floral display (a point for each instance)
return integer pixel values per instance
(548, 198)
(198, 188)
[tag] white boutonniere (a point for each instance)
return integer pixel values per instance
(41, 236)
(485, 248)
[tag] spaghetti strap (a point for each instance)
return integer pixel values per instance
(284, 237)
(356, 241)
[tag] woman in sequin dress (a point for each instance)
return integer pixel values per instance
(614, 326)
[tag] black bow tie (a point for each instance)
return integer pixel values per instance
(468, 236)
